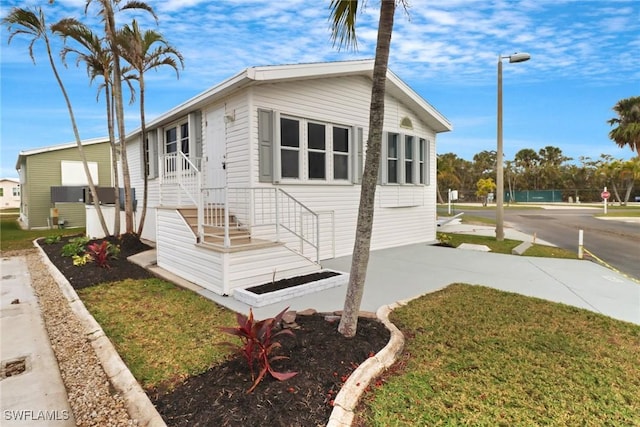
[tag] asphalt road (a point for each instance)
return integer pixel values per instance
(614, 241)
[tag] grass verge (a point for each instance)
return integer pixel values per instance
(506, 246)
(12, 237)
(627, 213)
(163, 333)
(475, 219)
(478, 356)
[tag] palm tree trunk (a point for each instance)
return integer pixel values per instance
(360, 258)
(145, 156)
(110, 28)
(114, 156)
(76, 133)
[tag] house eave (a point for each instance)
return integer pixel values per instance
(280, 73)
(26, 153)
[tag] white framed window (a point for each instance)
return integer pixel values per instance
(393, 151)
(290, 148)
(311, 150)
(341, 153)
(409, 164)
(317, 151)
(16, 191)
(405, 160)
(176, 136)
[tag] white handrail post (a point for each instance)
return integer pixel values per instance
(277, 215)
(227, 241)
(200, 209)
(301, 225)
(317, 237)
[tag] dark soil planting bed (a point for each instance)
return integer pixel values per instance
(91, 274)
(291, 282)
(323, 358)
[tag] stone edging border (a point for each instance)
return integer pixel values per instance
(138, 404)
(350, 393)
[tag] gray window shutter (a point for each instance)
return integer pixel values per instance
(358, 147)
(195, 132)
(382, 171)
(265, 145)
(427, 162)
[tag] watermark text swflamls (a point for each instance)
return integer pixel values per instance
(31, 415)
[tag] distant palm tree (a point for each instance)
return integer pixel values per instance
(32, 23)
(136, 48)
(343, 17)
(106, 10)
(627, 130)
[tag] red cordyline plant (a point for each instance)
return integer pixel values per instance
(258, 344)
(102, 252)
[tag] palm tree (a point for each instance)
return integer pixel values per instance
(627, 130)
(98, 61)
(136, 50)
(32, 23)
(343, 17)
(449, 167)
(107, 12)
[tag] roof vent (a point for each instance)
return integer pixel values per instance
(406, 123)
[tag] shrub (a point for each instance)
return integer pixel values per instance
(258, 343)
(75, 246)
(80, 260)
(102, 252)
(50, 240)
(444, 239)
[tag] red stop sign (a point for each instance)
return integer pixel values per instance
(605, 195)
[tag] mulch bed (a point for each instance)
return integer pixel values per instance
(90, 274)
(323, 358)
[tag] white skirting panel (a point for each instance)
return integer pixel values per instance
(221, 272)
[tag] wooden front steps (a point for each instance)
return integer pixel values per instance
(213, 235)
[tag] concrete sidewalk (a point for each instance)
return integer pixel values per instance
(409, 271)
(33, 394)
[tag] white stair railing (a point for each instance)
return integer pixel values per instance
(257, 207)
(184, 172)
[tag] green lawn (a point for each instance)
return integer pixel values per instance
(162, 332)
(616, 213)
(12, 237)
(482, 357)
(506, 246)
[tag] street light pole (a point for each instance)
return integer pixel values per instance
(516, 57)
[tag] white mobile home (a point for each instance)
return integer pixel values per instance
(258, 177)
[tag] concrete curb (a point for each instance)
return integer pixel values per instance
(347, 398)
(138, 404)
(521, 248)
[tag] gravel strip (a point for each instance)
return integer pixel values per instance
(92, 399)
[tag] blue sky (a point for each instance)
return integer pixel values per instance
(585, 56)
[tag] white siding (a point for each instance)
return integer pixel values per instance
(255, 267)
(221, 272)
(404, 214)
(134, 154)
(179, 254)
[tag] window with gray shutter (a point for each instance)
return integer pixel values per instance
(265, 145)
(358, 137)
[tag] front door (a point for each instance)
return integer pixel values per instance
(215, 173)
